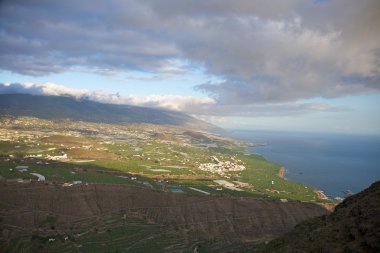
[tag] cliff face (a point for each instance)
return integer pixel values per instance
(24, 207)
(354, 226)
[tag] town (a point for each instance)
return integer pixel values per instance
(222, 168)
(165, 158)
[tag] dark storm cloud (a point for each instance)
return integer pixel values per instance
(41, 37)
(261, 51)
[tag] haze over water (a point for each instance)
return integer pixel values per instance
(329, 162)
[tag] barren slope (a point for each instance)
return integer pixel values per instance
(354, 226)
(24, 207)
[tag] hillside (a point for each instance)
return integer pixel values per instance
(32, 213)
(130, 179)
(354, 226)
(64, 107)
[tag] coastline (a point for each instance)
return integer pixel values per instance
(330, 162)
(282, 174)
(321, 194)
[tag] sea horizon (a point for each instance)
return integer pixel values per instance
(336, 163)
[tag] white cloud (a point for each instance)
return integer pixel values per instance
(172, 102)
(168, 102)
(279, 51)
(202, 107)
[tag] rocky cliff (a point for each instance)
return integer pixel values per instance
(354, 226)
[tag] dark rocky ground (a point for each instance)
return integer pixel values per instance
(354, 226)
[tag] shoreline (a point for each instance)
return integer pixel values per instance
(253, 145)
(321, 194)
(282, 174)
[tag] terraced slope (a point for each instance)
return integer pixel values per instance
(56, 212)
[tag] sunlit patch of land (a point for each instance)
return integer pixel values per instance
(161, 157)
(71, 156)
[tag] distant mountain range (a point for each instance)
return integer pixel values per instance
(67, 107)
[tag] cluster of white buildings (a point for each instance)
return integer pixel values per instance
(57, 158)
(229, 185)
(221, 167)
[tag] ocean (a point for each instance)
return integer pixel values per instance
(333, 163)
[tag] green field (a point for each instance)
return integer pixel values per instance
(139, 156)
(111, 151)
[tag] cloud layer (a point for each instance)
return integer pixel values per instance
(168, 102)
(202, 107)
(261, 51)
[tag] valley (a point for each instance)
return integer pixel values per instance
(75, 186)
(153, 156)
(133, 126)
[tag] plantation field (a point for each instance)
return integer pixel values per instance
(121, 234)
(140, 156)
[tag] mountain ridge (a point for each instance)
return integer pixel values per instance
(68, 107)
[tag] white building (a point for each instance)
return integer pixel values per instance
(58, 157)
(22, 168)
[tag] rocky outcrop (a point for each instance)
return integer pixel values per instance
(24, 207)
(354, 226)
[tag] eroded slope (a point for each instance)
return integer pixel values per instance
(354, 226)
(48, 210)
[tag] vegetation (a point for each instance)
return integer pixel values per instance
(122, 234)
(162, 158)
(113, 154)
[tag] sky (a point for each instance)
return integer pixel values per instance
(293, 65)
